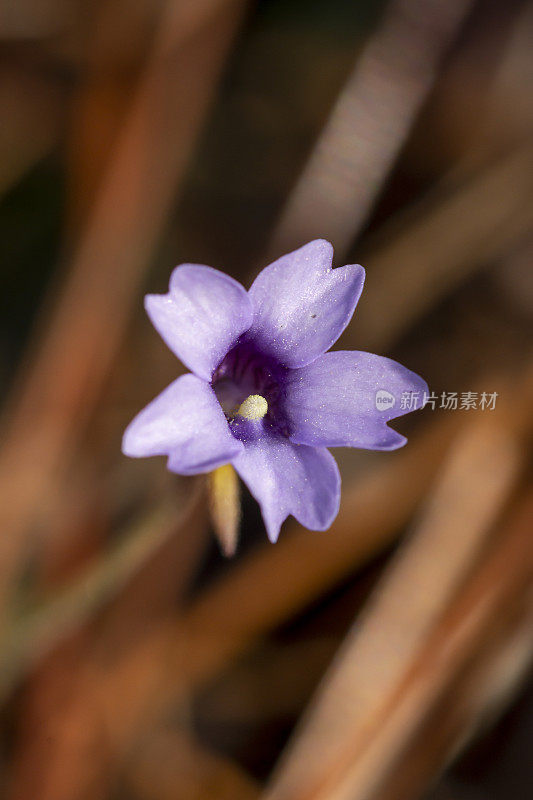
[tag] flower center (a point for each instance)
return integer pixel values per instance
(253, 408)
(249, 385)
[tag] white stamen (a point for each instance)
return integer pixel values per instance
(253, 408)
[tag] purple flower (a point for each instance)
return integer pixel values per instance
(264, 394)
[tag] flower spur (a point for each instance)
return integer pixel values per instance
(263, 393)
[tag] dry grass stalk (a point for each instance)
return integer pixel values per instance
(332, 755)
(487, 605)
(479, 685)
(369, 124)
(91, 713)
(40, 630)
(33, 111)
(119, 41)
(75, 353)
(171, 765)
(430, 250)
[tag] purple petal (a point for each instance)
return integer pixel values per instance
(287, 478)
(186, 423)
(346, 399)
(302, 305)
(201, 317)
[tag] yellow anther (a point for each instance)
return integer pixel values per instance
(254, 407)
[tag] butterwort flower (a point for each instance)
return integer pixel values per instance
(263, 393)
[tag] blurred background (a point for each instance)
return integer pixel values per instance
(390, 658)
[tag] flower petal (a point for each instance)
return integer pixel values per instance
(302, 305)
(346, 399)
(287, 478)
(186, 423)
(201, 317)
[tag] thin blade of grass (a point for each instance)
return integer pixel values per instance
(369, 124)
